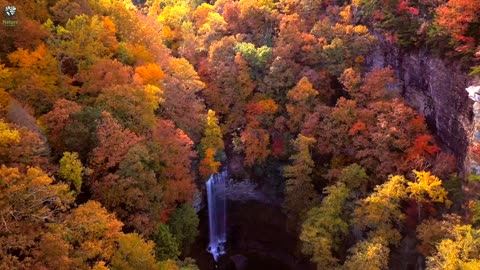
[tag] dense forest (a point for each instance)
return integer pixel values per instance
(114, 113)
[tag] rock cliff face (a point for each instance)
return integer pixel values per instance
(436, 88)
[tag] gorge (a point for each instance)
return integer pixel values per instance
(240, 135)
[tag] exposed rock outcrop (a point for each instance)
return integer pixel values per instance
(436, 88)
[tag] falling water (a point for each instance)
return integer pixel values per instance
(216, 187)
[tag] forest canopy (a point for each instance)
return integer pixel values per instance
(113, 113)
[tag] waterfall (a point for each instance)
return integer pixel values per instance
(216, 188)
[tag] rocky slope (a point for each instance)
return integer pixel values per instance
(436, 88)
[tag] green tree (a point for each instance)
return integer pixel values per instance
(133, 192)
(80, 133)
(71, 169)
(132, 106)
(300, 194)
(84, 38)
(325, 226)
(166, 246)
(354, 176)
(257, 58)
(184, 225)
(188, 264)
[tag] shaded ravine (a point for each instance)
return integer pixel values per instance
(257, 235)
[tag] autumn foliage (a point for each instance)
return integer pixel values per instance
(113, 114)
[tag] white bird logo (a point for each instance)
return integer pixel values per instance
(10, 11)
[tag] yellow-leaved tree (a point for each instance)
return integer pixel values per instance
(71, 169)
(7, 134)
(427, 188)
(211, 146)
(461, 251)
(300, 193)
(325, 226)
